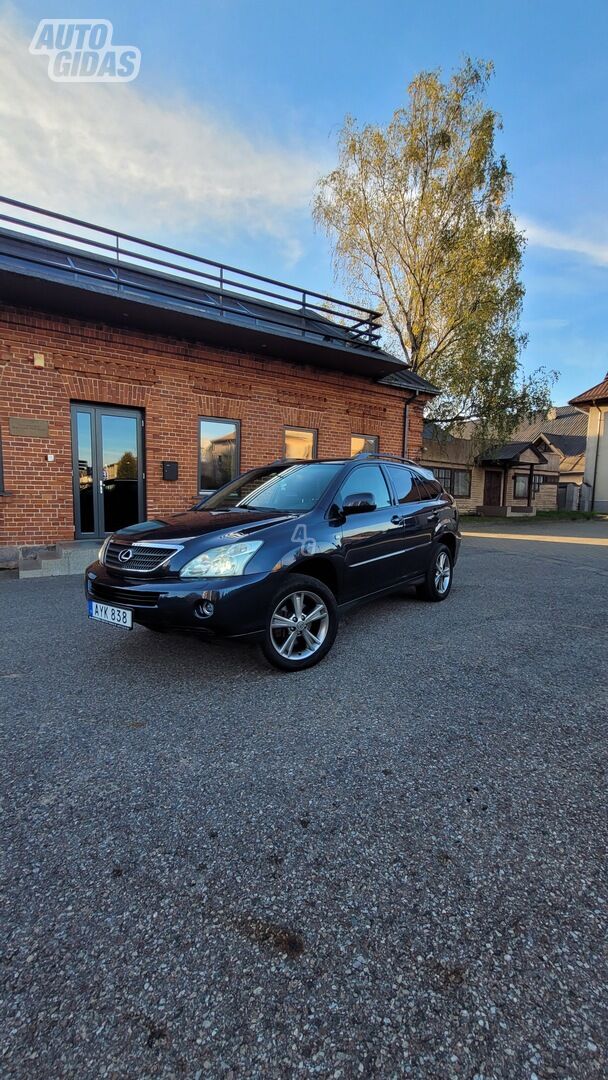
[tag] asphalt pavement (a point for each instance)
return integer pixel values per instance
(391, 865)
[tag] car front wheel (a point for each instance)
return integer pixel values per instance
(439, 576)
(301, 624)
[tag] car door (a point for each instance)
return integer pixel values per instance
(417, 518)
(372, 541)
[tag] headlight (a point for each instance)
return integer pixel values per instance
(103, 549)
(227, 561)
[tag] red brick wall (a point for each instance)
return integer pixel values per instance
(174, 382)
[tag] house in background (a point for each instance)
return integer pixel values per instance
(564, 432)
(540, 469)
(516, 477)
(594, 402)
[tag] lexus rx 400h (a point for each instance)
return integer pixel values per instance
(275, 555)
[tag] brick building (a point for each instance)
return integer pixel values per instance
(134, 377)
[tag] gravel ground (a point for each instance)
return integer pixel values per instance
(391, 865)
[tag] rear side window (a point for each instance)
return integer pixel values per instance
(404, 483)
(366, 478)
(432, 488)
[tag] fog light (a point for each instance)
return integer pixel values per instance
(204, 609)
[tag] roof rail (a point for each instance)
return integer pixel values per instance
(387, 457)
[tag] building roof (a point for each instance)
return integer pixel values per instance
(409, 380)
(595, 396)
(564, 420)
(568, 445)
(564, 427)
(127, 281)
(511, 452)
(574, 463)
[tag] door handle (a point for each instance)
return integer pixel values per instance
(433, 517)
(396, 520)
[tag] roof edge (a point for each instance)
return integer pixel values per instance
(596, 395)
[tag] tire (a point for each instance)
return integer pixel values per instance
(437, 587)
(297, 599)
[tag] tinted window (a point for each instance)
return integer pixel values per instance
(433, 488)
(422, 488)
(403, 482)
(366, 478)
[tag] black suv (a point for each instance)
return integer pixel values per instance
(277, 553)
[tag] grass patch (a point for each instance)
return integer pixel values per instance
(542, 515)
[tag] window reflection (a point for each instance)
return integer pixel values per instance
(85, 472)
(300, 443)
(218, 453)
(363, 444)
(120, 471)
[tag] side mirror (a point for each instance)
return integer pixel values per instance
(360, 503)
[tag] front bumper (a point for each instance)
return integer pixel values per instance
(239, 603)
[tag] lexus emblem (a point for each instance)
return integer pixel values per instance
(125, 555)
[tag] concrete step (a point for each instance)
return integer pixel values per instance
(68, 558)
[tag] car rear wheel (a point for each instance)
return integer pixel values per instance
(301, 624)
(439, 576)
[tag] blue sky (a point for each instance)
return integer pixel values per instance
(235, 112)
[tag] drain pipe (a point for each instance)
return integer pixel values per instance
(406, 422)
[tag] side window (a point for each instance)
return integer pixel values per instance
(422, 487)
(404, 484)
(366, 478)
(433, 488)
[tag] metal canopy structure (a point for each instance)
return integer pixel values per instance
(63, 264)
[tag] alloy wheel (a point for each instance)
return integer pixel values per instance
(299, 625)
(443, 572)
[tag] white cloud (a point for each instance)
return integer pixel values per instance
(556, 240)
(118, 157)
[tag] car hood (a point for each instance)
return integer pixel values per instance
(197, 523)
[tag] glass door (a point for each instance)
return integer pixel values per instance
(108, 469)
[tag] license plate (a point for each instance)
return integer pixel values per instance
(116, 616)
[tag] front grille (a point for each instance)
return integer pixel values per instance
(143, 559)
(132, 597)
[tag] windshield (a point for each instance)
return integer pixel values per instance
(296, 489)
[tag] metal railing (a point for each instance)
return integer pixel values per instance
(121, 256)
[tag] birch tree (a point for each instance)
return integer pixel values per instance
(419, 219)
